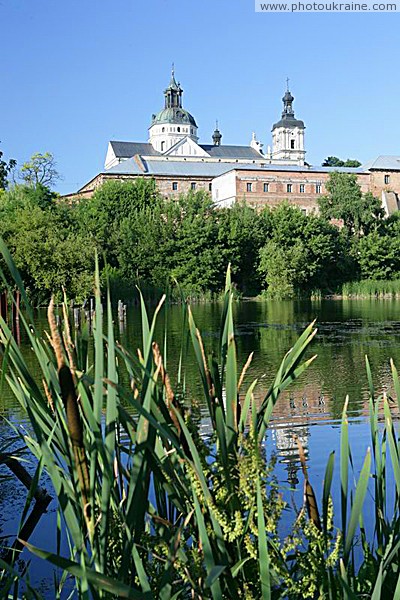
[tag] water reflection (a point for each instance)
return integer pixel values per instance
(311, 409)
(347, 330)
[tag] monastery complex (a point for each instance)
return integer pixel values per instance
(177, 161)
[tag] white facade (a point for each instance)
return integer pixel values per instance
(223, 190)
(111, 159)
(162, 136)
(186, 147)
(256, 144)
(288, 144)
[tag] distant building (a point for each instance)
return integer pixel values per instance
(177, 161)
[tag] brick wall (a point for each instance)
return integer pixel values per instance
(388, 181)
(276, 183)
(301, 189)
(165, 184)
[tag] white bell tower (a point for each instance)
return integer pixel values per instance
(288, 134)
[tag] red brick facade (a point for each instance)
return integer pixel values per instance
(260, 187)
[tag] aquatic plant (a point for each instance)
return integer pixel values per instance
(368, 288)
(153, 509)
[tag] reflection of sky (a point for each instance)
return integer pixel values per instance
(321, 440)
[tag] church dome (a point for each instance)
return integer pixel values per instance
(287, 98)
(288, 119)
(173, 116)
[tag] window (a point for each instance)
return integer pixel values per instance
(163, 129)
(178, 129)
(302, 189)
(174, 185)
(266, 187)
(249, 187)
(387, 179)
(209, 187)
(289, 188)
(318, 188)
(193, 185)
(292, 144)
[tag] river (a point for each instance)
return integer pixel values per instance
(347, 331)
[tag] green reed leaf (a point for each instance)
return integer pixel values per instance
(99, 580)
(263, 557)
(359, 497)
(327, 489)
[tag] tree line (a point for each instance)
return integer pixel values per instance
(141, 237)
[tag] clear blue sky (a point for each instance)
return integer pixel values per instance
(76, 74)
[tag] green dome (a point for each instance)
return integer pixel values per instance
(173, 116)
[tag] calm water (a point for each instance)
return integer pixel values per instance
(347, 330)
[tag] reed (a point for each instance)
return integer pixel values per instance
(371, 288)
(152, 509)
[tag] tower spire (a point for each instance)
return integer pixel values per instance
(287, 100)
(173, 93)
(217, 135)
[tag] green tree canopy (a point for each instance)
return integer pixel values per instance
(345, 201)
(47, 243)
(40, 170)
(379, 256)
(334, 161)
(103, 214)
(302, 254)
(175, 238)
(5, 169)
(242, 231)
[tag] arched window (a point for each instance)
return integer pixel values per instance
(178, 129)
(163, 129)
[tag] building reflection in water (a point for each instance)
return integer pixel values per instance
(286, 446)
(293, 415)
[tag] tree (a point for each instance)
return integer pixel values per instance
(345, 201)
(379, 256)
(303, 254)
(114, 203)
(242, 231)
(284, 268)
(351, 162)
(46, 242)
(199, 262)
(177, 238)
(334, 161)
(40, 170)
(5, 168)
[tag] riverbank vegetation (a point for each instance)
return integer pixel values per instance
(143, 238)
(153, 508)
